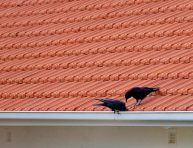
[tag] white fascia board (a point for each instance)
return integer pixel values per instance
(29, 118)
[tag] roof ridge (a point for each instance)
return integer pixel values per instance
(102, 63)
(76, 94)
(102, 50)
(116, 25)
(109, 77)
(32, 3)
(144, 11)
(88, 7)
(139, 35)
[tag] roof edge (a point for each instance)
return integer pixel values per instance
(84, 118)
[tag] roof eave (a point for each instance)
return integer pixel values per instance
(68, 118)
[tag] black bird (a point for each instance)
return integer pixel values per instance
(139, 93)
(114, 105)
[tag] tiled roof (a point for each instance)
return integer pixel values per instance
(61, 54)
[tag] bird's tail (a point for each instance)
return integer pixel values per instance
(156, 89)
(101, 104)
(102, 100)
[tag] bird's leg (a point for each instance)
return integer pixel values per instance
(138, 102)
(116, 111)
(134, 105)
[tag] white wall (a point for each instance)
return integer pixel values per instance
(93, 137)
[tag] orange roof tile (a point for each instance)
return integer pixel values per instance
(59, 55)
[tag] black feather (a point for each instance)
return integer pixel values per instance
(114, 105)
(139, 93)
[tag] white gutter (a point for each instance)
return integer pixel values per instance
(96, 119)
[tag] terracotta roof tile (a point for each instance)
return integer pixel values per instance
(61, 55)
